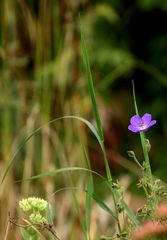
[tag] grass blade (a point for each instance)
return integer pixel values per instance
(134, 99)
(93, 100)
(61, 170)
(89, 193)
(49, 214)
(90, 84)
(129, 212)
(22, 144)
(104, 206)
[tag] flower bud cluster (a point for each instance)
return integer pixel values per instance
(37, 218)
(34, 207)
(25, 205)
(30, 203)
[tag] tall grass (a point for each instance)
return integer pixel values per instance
(35, 67)
(36, 73)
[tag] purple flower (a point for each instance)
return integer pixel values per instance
(141, 124)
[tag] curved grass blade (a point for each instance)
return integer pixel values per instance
(91, 194)
(22, 144)
(130, 214)
(97, 199)
(128, 211)
(104, 206)
(61, 170)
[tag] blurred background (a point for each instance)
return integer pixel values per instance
(42, 78)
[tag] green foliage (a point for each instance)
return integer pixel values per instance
(151, 4)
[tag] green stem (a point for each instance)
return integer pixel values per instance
(117, 213)
(146, 158)
(144, 147)
(109, 179)
(108, 172)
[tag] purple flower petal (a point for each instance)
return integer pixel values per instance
(146, 118)
(136, 120)
(152, 123)
(133, 128)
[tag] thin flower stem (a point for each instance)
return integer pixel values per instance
(144, 147)
(134, 98)
(135, 159)
(109, 179)
(108, 172)
(146, 158)
(132, 155)
(117, 213)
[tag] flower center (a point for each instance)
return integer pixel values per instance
(142, 126)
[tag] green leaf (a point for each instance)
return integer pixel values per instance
(27, 236)
(25, 233)
(104, 206)
(49, 214)
(130, 213)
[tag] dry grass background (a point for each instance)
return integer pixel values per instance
(37, 51)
